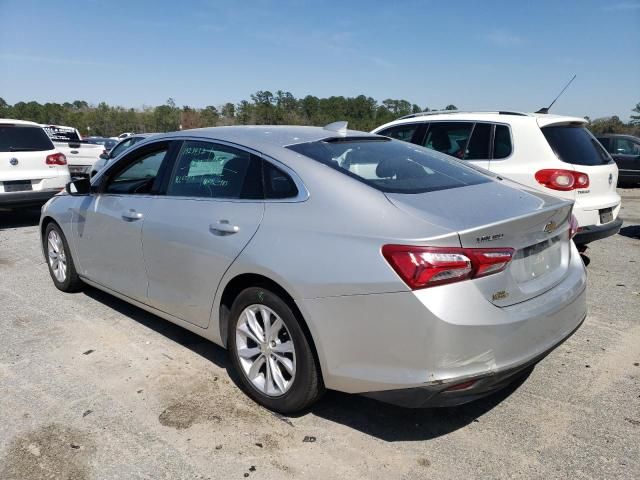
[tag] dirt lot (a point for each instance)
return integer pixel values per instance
(92, 388)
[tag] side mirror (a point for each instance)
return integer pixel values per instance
(104, 156)
(79, 186)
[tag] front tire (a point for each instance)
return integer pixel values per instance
(271, 353)
(59, 260)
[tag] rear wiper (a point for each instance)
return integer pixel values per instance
(24, 149)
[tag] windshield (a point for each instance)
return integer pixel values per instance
(23, 139)
(391, 165)
(575, 145)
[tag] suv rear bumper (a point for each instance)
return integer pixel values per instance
(592, 233)
(25, 199)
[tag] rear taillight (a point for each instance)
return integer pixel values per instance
(56, 159)
(559, 179)
(573, 226)
(421, 267)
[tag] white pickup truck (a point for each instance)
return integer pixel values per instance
(80, 155)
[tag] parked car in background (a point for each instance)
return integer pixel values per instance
(31, 169)
(625, 150)
(327, 258)
(117, 149)
(81, 155)
(107, 142)
(125, 134)
(552, 153)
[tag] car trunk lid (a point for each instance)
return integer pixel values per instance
(495, 214)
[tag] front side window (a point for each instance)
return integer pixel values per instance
(400, 132)
(448, 137)
(502, 146)
(390, 165)
(575, 145)
(210, 170)
(626, 146)
(139, 176)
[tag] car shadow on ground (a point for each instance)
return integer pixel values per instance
(386, 422)
(19, 218)
(631, 231)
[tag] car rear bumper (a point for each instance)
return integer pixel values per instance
(444, 394)
(592, 233)
(437, 337)
(28, 198)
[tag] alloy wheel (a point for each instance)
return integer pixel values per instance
(265, 349)
(57, 257)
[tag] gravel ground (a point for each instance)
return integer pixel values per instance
(92, 388)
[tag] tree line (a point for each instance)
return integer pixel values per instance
(263, 108)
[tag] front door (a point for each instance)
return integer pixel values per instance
(109, 223)
(212, 208)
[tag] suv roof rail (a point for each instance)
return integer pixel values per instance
(447, 112)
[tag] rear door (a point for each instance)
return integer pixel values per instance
(212, 208)
(23, 154)
(109, 223)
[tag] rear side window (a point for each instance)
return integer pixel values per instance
(400, 132)
(478, 148)
(23, 139)
(449, 137)
(390, 165)
(502, 146)
(575, 145)
(277, 184)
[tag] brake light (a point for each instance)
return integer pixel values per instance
(573, 226)
(421, 267)
(564, 180)
(56, 159)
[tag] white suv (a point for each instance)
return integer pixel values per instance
(31, 169)
(553, 153)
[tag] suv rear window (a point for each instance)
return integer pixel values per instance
(23, 139)
(391, 165)
(575, 145)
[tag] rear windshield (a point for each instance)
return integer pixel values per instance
(391, 165)
(575, 145)
(62, 134)
(23, 139)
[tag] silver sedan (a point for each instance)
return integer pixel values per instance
(328, 258)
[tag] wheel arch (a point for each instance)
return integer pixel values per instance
(245, 280)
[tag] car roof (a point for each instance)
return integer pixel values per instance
(618, 135)
(504, 116)
(258, 137)
(18, 122)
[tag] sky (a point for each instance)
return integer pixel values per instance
(478, 55)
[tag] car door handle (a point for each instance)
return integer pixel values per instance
(223, 227)
(132, 216)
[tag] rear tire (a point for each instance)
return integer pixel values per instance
(271, 354)
(59, 260)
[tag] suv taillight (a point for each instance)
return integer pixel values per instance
(56, 159)
(421, 267)
(564, 180)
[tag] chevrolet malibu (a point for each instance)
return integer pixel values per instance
(325, 258)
